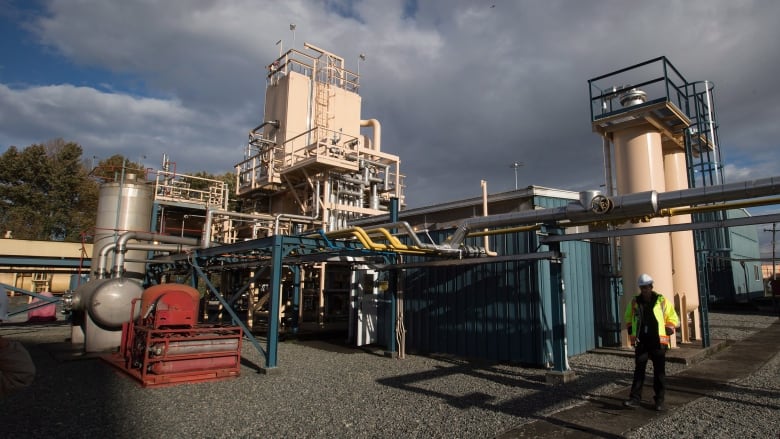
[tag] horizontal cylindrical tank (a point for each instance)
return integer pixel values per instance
(194, 365)
(187, 347)
(110, 303)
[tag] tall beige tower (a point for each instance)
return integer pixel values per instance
(639, 167)
(647, 127)
(310, 156)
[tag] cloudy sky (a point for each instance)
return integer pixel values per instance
(462, 88)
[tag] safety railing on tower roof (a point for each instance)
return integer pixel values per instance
(311, 66)
(657, 80)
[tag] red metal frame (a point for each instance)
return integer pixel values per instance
(166, 356)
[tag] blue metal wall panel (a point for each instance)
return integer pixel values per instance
(500, 311)
(578, 278)
(476, 311)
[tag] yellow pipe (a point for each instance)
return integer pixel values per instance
(712, 207)
(358, 233)
(394, 242)
(505, 231)
(366, 241)
(397, 245)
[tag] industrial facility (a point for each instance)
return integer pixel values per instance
(175, 279)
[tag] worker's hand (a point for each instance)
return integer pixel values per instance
(669, 331)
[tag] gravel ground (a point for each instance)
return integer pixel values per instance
(324, 390)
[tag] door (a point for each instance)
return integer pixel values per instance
(367, 301)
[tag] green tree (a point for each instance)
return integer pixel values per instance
(45, 192)
(115, 167)
(227, 177)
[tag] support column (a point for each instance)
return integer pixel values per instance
(560, 373)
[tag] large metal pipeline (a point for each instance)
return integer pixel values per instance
(598, 207)
(101, 271)
(625, 207)
(726, 192)
(121, 245)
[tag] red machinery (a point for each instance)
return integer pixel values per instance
(166, 345)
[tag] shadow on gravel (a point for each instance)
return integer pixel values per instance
(68, 398)
(535, 397)
(701, 387)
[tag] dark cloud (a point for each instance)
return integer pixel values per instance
(462, 89)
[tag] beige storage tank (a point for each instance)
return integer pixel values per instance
(123, 207)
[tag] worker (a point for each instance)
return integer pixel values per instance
(650, 321)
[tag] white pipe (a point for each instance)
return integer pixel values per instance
(377, 139)
(101, 272)
(485, 213)
(121, 245)
(308, 219)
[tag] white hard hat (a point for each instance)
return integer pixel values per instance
(645, 279)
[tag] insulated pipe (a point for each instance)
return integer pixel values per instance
(377, 139)
(636, 205)
(626, 207)
(121, 245)
(103, 256)
(727, 192)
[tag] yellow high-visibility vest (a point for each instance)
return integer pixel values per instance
(664, 314)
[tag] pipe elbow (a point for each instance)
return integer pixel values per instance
(374, 123)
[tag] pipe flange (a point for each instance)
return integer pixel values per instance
(600, 205)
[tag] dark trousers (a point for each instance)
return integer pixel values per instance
(657, 354)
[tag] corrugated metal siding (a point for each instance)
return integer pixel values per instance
(482, 311)
(578, 278)
(498, 311)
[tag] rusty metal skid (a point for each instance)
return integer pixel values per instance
(159, 357)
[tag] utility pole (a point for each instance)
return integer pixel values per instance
(516, 165)
(773, 230)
